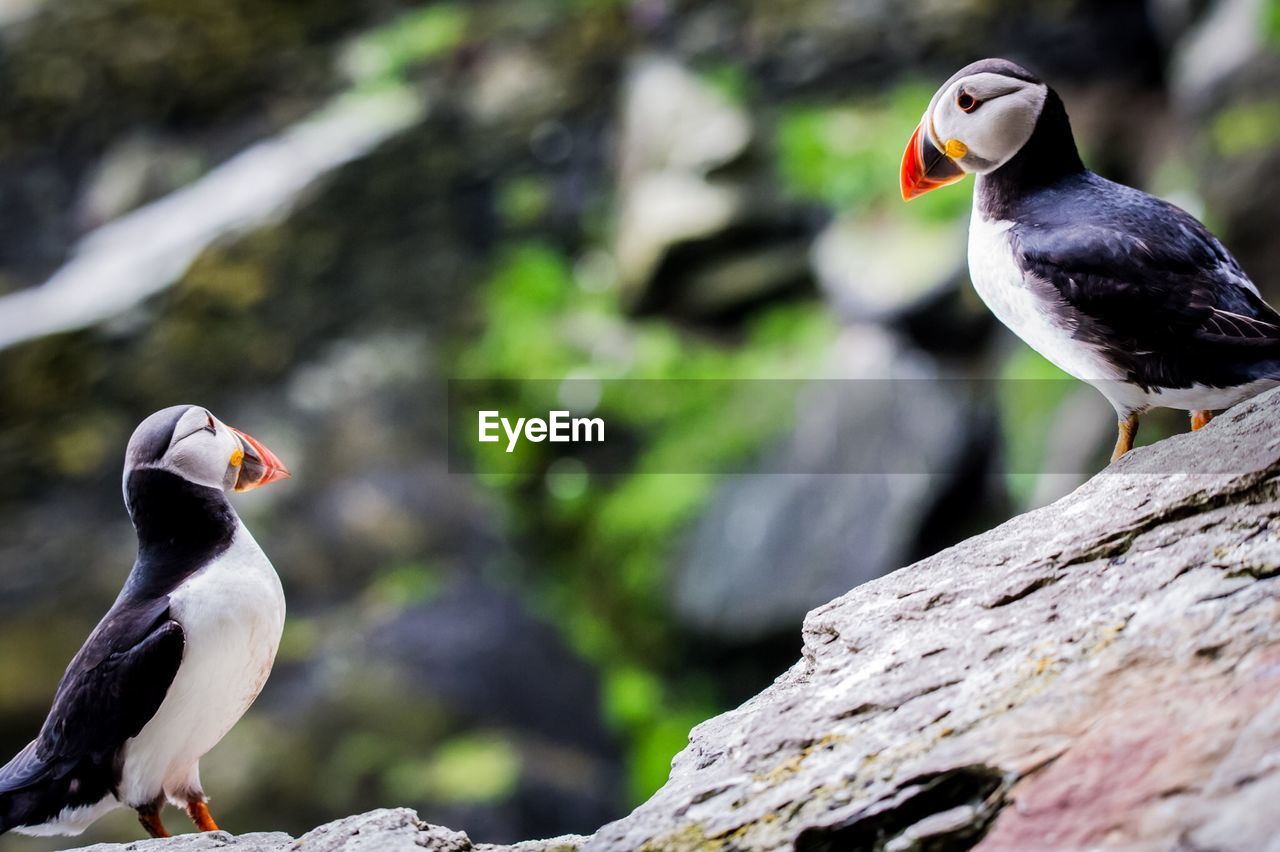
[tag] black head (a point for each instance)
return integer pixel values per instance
(995, 65)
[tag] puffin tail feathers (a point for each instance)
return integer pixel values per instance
(27, 787)
(42, 797)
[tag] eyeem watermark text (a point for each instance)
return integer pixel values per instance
(559, 427)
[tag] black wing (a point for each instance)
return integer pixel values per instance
(111, 689)
(1146, 281)
(116, 682)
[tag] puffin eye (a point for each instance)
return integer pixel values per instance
(211, 426)
(967, 102)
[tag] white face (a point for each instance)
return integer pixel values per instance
(990, 116)
(188, 441)
(202, 449)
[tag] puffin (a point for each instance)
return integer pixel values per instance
(1116, 287)
(182, 653)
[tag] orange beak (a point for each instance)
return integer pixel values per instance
(259, 466)
(924, 167)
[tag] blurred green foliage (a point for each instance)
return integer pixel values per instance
(729, 80)
(387, 53)
(848, 155)
(476, 767)
(1271, 20)
(402, 585)
(607, 540)
(1030, 394)
(1246, 128)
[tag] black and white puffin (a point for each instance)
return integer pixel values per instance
(1114, 286)
(180, 656)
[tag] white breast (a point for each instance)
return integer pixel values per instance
(1047, 328)
(232, 615)
(1025, 309)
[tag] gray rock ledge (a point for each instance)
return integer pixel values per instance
(1100, 673)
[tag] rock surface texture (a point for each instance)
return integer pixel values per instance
(1100, 673)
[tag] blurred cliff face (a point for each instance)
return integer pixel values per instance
(311, 216)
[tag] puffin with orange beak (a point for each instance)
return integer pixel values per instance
(1116, 287)
(179, 657)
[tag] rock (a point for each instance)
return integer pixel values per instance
(845, 498)
(78, 79)
(883, 269)
(672, 120)
(15, 11)
(481, 653)
(110, 273)
(700, 232)
(674, 130)
(1226, 101)
(829, 46)
(476, 652)
(131, 173)
(1225, 40)
(663, 209)
(512, 81)
(265, 841)
(384, 830)
(1223, 72)
(1100, 673)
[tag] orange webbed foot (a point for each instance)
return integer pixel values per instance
(1200, 418)
(149, 817)
(1126, 430)
(199, 813)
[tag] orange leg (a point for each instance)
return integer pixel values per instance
(199, 813)
(149, 816)
(1125, 432)
(1200, 418)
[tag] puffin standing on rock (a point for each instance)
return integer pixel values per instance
(180, 656)
(1114, 286)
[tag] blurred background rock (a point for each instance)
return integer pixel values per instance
(310, 216)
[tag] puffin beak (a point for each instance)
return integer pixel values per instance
(259, 466)
(924, 167)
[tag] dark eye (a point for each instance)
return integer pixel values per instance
(967, 102)
(211, 426)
